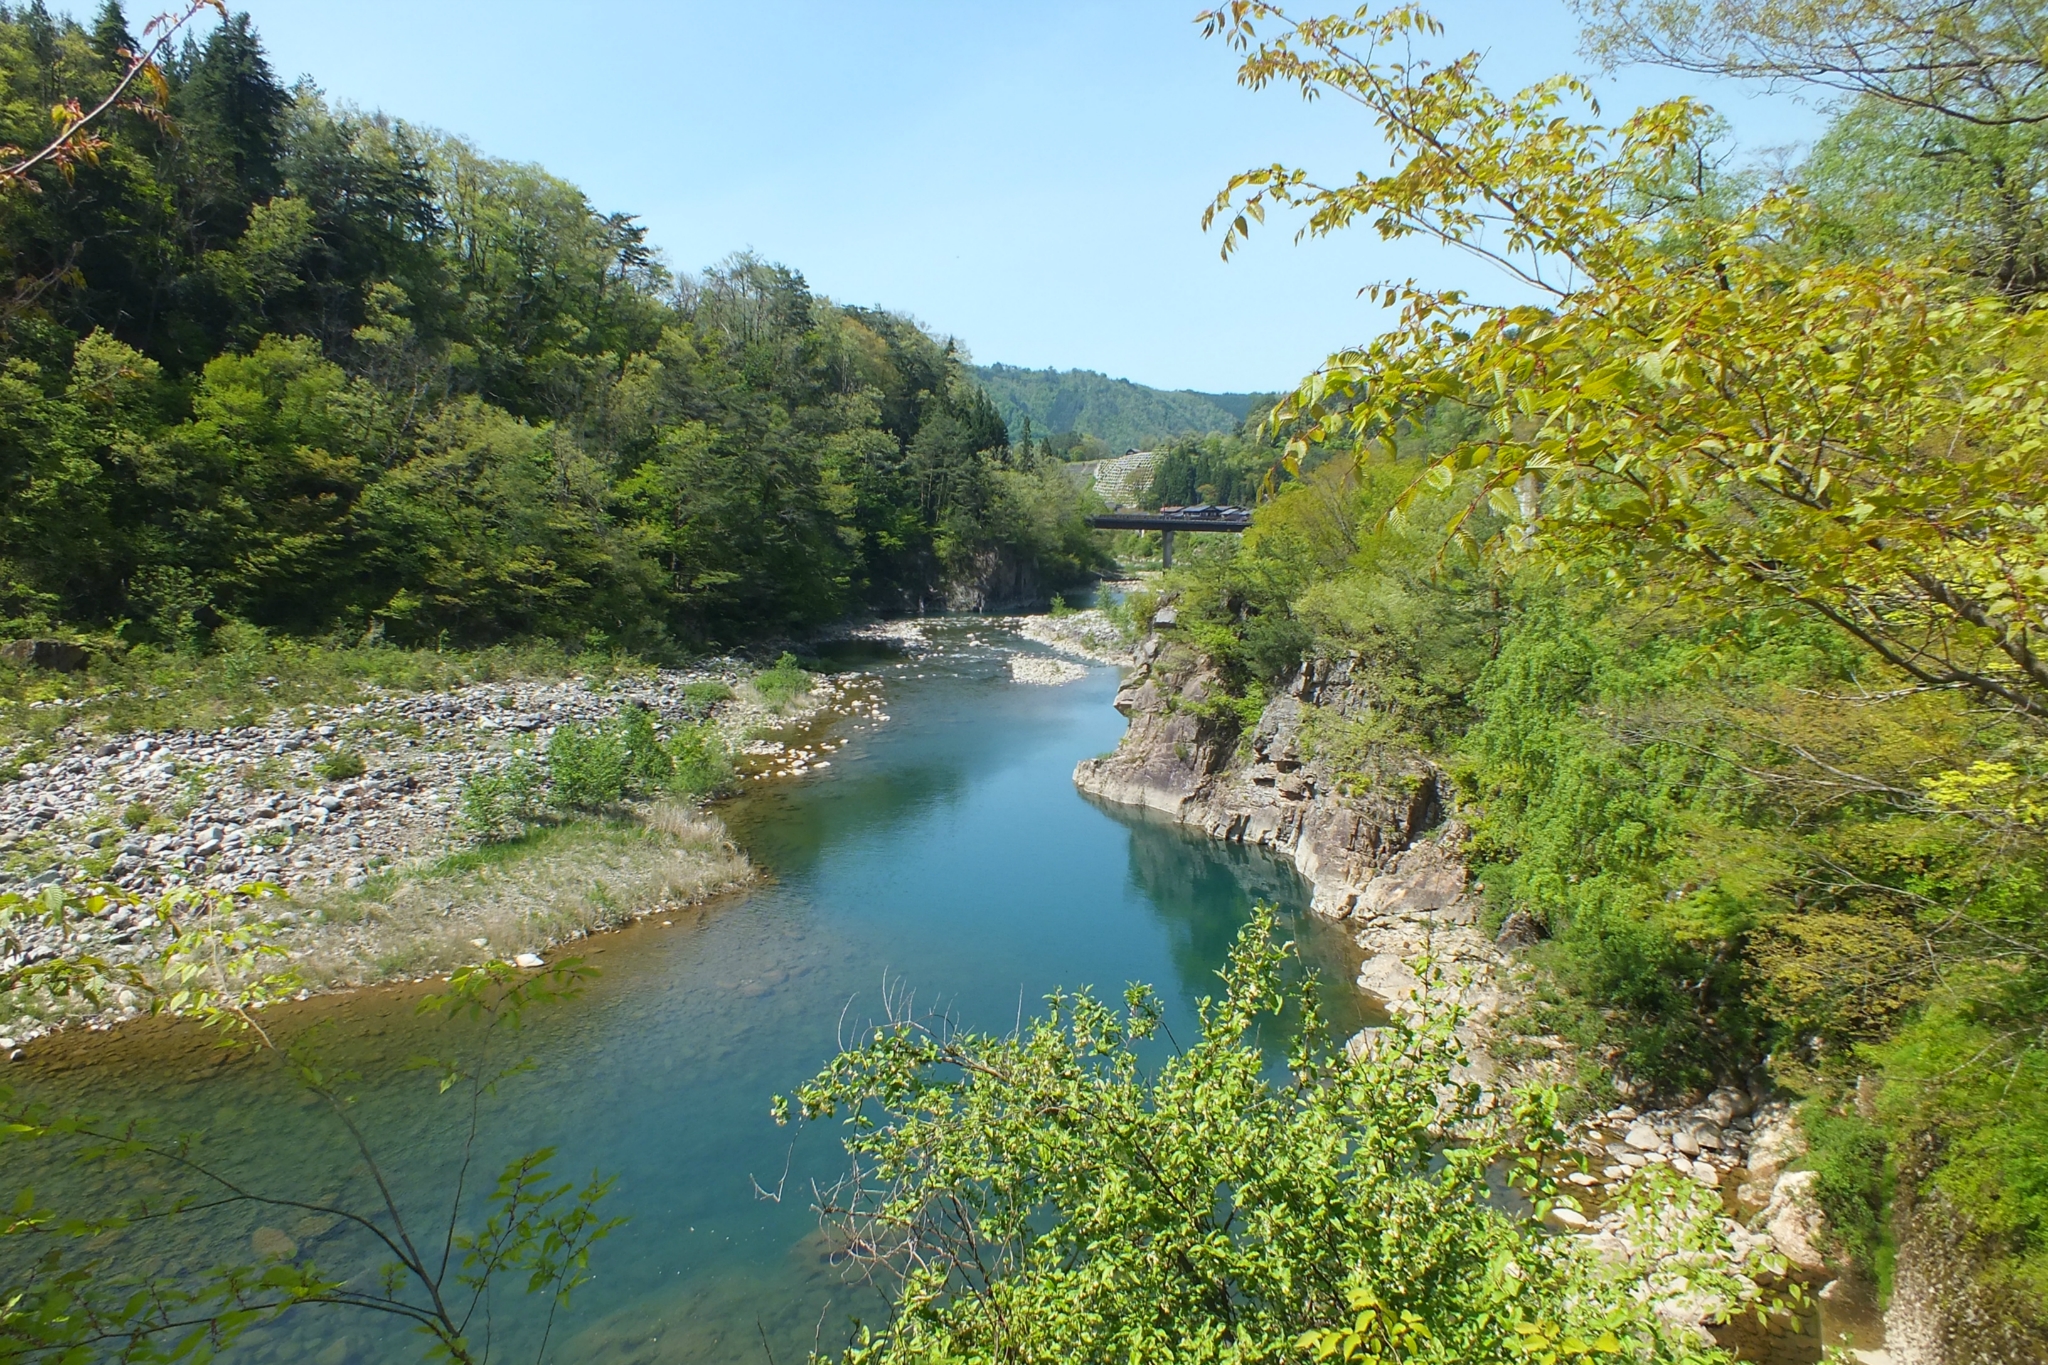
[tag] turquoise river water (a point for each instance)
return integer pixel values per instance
(944, 851)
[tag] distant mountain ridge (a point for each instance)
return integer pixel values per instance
(1117, 412)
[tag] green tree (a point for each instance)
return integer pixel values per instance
(1075, 1192)
(1981, 63)
(1686, 407)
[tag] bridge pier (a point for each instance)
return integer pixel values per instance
(1166, 549)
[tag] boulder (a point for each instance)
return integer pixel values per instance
(58, 656)
(1425, 878)
(1519, 930)
(1726, 1105)
(1776, 1146)
(1569, 1219)
(273, 1244)
(1795, 1222)
(1387, 976)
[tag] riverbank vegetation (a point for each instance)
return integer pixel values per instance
(1713, 575)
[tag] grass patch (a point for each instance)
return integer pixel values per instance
(341, 765)
(777, 687)
(702, 696)
(520, 894)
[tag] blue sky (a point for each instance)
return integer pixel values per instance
(1026, 177)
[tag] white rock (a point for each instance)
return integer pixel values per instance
(1795, 1222)
(1775, 1147)
(1387, 976)
(530, 961)
(1726, 1105)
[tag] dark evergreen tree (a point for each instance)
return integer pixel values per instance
(230, 111)
(111, 38)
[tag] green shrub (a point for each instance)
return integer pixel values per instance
(341, 765)
(587, 769)
(1131, 613)
(702, 696)
(649, 767)
(498, 803)
(1235, 715)
(782, 684)
(701, 765)
(1849, 1153)
(1059, 607)
(136, 814)
(1053, 1193)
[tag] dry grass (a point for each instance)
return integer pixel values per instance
(553, 884)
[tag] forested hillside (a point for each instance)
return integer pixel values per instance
(1119, 414)
(317, 370)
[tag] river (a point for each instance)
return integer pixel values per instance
(944, 851)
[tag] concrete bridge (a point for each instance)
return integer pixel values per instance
(1170, 521)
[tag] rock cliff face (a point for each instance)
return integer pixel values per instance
(997, 580)
(1375, 840)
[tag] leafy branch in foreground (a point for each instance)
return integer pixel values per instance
(77, 139)
(1045, 1197)
(1979, 62)
(78, 1292)
(1704, 403)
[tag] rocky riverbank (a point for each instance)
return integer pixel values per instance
(324, 796)
(1088, 634)
(353, 812)
(1373, 830)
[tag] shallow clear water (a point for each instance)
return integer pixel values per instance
(945, 851)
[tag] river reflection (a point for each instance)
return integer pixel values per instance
(946, 850)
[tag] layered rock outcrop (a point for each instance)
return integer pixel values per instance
(1370, 828)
